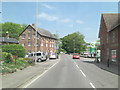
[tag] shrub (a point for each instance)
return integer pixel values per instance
(15, 49)
(28, 60)
(7, 57)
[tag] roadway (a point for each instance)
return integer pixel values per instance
(75, 73)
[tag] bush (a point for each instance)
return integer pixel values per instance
(15, 49)
(7, 57)
(28, 60)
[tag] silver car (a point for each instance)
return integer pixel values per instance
(38, 56)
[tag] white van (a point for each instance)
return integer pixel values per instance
(53, 56)
(39, 56)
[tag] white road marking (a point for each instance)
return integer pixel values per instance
(85, 76)
(77, 66)
(83, 73)
(92, 85)
(80, 69)
(40, 75)
(75, 63)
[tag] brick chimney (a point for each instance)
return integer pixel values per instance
(33, 25)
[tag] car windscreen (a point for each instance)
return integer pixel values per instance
(76, 54)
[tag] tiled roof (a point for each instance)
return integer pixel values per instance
(111, 20)
(44, 32)
(8, 40)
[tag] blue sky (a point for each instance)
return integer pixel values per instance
(62, 18)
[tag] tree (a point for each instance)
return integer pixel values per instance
(13, 29)
(73, 43)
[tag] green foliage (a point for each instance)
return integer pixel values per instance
(28, 60)
(15, 49)
(7, 57)
(21, 63)
(13, 29)
(73, 43)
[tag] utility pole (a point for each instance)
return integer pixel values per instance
(36, 30)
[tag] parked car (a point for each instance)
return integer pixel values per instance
(26, 56)
(86, 54)
(53, 56)
(76, 56)
(39, 56)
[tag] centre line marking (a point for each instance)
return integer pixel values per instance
(83, 73)
(92, 85)
(80, 70)
(77, 66)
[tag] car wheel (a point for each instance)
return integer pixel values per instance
(38, 60)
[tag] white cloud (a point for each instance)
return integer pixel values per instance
(65, 20)
(48, 17)
(48, 6)
(79, 21)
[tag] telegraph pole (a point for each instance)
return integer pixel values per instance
(36, 30)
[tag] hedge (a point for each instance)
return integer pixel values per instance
(15, 49)
(7, 57)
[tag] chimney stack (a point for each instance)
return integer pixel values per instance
(33, 25)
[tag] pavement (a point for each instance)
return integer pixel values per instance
(17, 79)
(113, 68)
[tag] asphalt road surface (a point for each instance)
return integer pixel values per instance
(75, 73)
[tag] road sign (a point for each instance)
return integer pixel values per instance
(92, 45)
(92, 50)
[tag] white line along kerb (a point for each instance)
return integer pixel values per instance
(92, 85)
(40, 75)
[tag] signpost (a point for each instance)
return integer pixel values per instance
(92, 47)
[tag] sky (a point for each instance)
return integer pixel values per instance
(60, 18)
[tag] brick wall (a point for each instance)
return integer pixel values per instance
(109, 41)
(44, 44)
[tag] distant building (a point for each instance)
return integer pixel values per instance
(109, 34)
(43, 40)
(6, 40)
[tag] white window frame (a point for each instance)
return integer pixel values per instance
(23, 44)
(23, 36)
(29, 44)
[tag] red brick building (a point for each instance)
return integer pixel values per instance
(37, 39)
(109, 35)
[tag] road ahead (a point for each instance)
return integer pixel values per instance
(73, 73)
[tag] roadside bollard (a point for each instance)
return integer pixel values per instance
(108, 63)
(97, 60)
